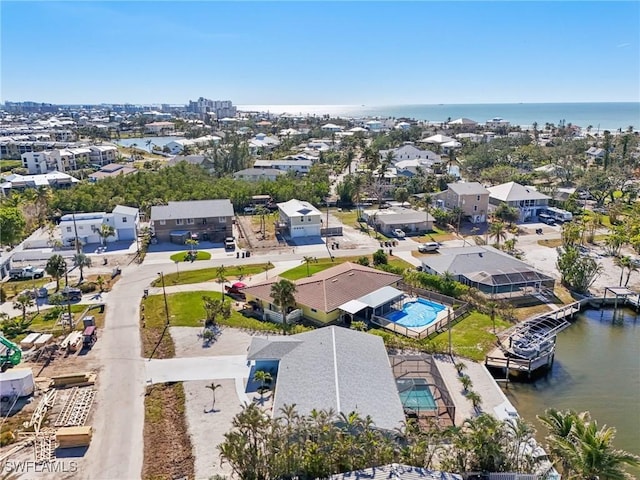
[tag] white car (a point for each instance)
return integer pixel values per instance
(428, 247)
(399, 233)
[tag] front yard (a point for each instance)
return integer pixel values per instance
(209, 274)
(324, 263)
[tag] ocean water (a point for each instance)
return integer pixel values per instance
(605, 116)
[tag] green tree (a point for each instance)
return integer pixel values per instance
(498, 231)
(56, 267)
(466, 382)
(213, 387)
(221, 278)
(104, 232)
(81, 261)
(380, 258)
(577, 272)
(623, 263)
(507, 214)
(12, 224)
(401, 195)
(23, 302)
(264, 378)
(307, 260)
(215, 309)
(283, 294)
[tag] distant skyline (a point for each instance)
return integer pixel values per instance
(337, 53)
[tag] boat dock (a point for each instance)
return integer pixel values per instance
(530, 345)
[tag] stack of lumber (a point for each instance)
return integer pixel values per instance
(72, 342)
(73, 379)
(72, 437)
(42, 340)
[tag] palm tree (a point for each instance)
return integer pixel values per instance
(623, 263)
(266, 267)
(105, 231)
(632, 267)
(240, 270)
(220, 277)
(307, 260)
(498, 231)
(42, 201)
(263, 377)
(56, 267)
(283, 294)
(23, 302)
(192, 243)
(475, 399)
(466, 382)
(213, 387)
(100, 282)
(81, 261)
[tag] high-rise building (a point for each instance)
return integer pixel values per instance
(204, 106)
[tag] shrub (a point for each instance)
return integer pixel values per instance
(363, 261)
(88, 287)
(380, 258)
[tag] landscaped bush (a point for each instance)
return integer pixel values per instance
(52, 314)
(88, 287)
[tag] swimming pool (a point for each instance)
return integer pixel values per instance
(417, 313)
(416, 395)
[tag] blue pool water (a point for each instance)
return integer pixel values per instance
(419, 313)
(416, 396)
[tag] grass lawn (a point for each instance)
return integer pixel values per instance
(473, 337)
(437, 235)
(323, 263)
(182, 256)
(553, 243)
(209, 274)
(14, 287)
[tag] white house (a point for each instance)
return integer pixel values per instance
(403, 126)
(160, 127)
(257, 174)
(374, 125)
(262, 142)
(300, 219)
(463, 122)
(103, 154)
(595, 152)
(330, 127)
(496, 123)
(177, 146)
(124, 220)
(71, 158)
(298, 166)
(410, 152)
(36, 162)
(526, 199)
(51, 179)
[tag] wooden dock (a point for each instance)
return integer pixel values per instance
(536, 335)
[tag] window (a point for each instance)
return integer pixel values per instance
(475, 208)
(179, 221)
(204, 221)
(190, 221)
(124, 219)
(68, 229)
(163, 222)
(478, 198)
(222, 219)
(302, 219)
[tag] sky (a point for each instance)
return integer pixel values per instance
(337, 53)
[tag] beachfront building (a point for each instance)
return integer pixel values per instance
(103, 154)
(526, 199)
(497, 123)
(331, 368)
(207, 220)
(471, 197)
(160, 128)
(491, 271)
(36, 163)
(70, 159)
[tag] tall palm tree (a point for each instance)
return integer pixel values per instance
(220, 277)
(105, 231)
(213, 387)
(56, 267)
(307, 260)
(23, 302)
(81, 261)
(498, 231)
(632, 267)
(263, 377)
(623, 263)
(42, 201)
(283, 294)
(266, 267)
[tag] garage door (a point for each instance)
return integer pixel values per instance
(126, 234)
(305, 231)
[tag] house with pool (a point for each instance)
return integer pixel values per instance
(491, 271)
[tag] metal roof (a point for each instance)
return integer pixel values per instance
(192, 209)
(353, 306)
(381, 296)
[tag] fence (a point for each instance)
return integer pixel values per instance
(331, 232)
(428, 294)
(276, 317)
(432, 330)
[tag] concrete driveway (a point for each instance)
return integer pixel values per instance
(196, 368)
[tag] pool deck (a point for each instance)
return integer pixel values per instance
(440, 316)
(494, 401)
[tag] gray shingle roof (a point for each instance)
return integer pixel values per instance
(340, 369)
(467, 188)
(192, 209)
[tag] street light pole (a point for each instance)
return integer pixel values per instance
(164, 293)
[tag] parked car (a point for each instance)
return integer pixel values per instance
(229, 243)
(398, 232)
(250, 210)
(548, 220)
(428, 247)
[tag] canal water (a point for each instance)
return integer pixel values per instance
(597, 368)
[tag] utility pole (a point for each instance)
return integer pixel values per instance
(75, 228)
(164, 293)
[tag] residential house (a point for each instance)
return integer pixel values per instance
(299, 219)
(407, 219)
(331, 368)
(327, 296)
(262, 143)
(70, 159)
(177, 146)
(410, 152)
(471, 197)
(330, 127)
(403, 126)
(258, 174)
(297, 166)
(464, 123)
(207, 220)
(396, 471)
(160, 128)
(438, 139)
(22, 182)
(85, 226)
(202, 160)
(471, 137)
(491, 271)
(526, 199)
(374, 126)
(111, 170)
(103, 154)
(595, 153)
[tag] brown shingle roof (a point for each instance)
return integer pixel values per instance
(327, 290)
